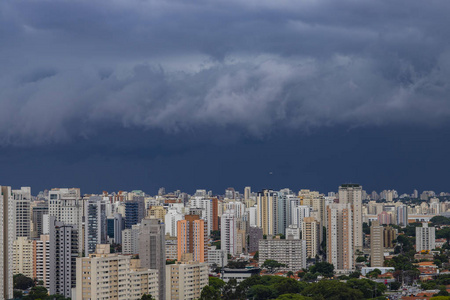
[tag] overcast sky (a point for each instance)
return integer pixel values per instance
(109, 95)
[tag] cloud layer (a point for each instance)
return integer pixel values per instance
(76, 68)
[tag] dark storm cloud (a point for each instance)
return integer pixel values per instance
(76, 68)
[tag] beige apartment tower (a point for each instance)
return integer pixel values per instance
(185, 280)
(340, 237)
(104, 276)
(311, 230)
(376, 245)
(352, 194)
(266, 203)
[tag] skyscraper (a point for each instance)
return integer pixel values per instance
(7, 237)
(266, 203)
(152, 250)
(402, 215)
(38, 213)
(340, 237)
(352, 194)
(63, 254)
(311, 233)
(95, 223)
(22, 201)
(134, 211)
(192, 238)
(228, 233)
(376, 245)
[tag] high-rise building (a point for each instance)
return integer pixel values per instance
(152, 250)
(254, 235)
(38, 212)
(185, 280)
(134, 211)
(311, 233)
(104, 275)
(228, 233)
(95, 220)
(63, 254)
(22, 201)
(41, 261)
(376, 245)
(290, 252)
(340, 239)
(171, 247)
(130, 237)
(299, 213)
(170, 221)
(402, 215)
(425, 238)
(66, 206)
(352, 194)
(266, 203)
(192, 238)
(119, 226)
(7, 237)
(23, 256)
(247, 193)
(389, 235)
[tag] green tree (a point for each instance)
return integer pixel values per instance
(290, 274)
(147, 297)
(361, 259)
(272, 265)
(256, 256)
(17, 294)
(261, 292)
(369, 288)
(443, 233)
(440, 220)
(37, 292)
(209, 293)
(395, 285)
(288, 286)
(22, 282)
(216, 283)
(323, 268)
(332, 290)
(293, 297)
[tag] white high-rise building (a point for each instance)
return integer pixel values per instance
(130, 243)
(22, 201)
(228, 232)
(207, 210)
(425, 238)
(171, 219)
(252, 218)
(352, 194)
(299, 213)
(402, 215)
(66, 206)
(7, 237)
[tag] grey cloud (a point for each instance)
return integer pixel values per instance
(75, 68)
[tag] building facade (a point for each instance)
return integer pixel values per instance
(290, 252)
